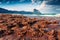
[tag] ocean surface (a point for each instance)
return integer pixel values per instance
(36, 15)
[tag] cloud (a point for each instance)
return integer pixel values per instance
(45, 8)
(42, 6)
(58, 9)
(0, 3)
(21, 0)
(53, 2)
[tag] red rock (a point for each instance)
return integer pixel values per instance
(17, 27)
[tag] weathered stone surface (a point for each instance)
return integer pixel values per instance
(13, 27)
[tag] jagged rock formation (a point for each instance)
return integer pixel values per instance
(37, 11)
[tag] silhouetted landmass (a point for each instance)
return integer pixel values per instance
(35, 11)
(20, 12)
(9, 11)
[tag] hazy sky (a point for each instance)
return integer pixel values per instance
(44, 6)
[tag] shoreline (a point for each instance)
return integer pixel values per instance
(45, 15)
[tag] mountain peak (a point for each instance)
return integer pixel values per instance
(36, 11)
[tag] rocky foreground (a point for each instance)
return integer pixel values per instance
(17, 27)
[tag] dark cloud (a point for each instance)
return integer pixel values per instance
(49, 2)
(53, 2)
(19, 1)
(14, 1)
(10, 1)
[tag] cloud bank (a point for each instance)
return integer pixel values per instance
(44, 6)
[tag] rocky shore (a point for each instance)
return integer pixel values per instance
(17, 27)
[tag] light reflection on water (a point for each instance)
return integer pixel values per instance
(36, 15)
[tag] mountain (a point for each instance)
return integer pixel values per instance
(19, 12)
(36, 11)
(9, 11)
(3, 10)
(6, 11)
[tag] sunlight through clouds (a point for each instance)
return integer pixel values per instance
(40, 5)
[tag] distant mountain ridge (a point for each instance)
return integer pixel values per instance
(2, 10)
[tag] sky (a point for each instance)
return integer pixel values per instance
(44, 6)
